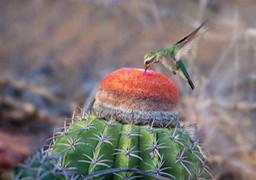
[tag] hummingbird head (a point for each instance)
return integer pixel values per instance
(149, 59)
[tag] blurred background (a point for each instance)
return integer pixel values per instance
(53, 54)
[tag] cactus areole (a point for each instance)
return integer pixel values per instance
(131, 96)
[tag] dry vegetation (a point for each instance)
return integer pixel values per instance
(65, 48)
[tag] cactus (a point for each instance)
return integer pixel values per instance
(43, 166)
(132, 133)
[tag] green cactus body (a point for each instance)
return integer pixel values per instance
(101, 145)
(148, 154)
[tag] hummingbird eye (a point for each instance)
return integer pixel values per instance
(147, 62)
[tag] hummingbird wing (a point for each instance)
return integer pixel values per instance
(186, 43)
(184, 74)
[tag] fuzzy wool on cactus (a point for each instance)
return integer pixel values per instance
(121, 139)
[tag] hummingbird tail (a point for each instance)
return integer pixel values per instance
(191, 84)
(185, 76)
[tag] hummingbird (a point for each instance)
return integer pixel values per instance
(171, 57)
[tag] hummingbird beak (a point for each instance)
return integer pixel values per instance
(149, 61)
(146, 68)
